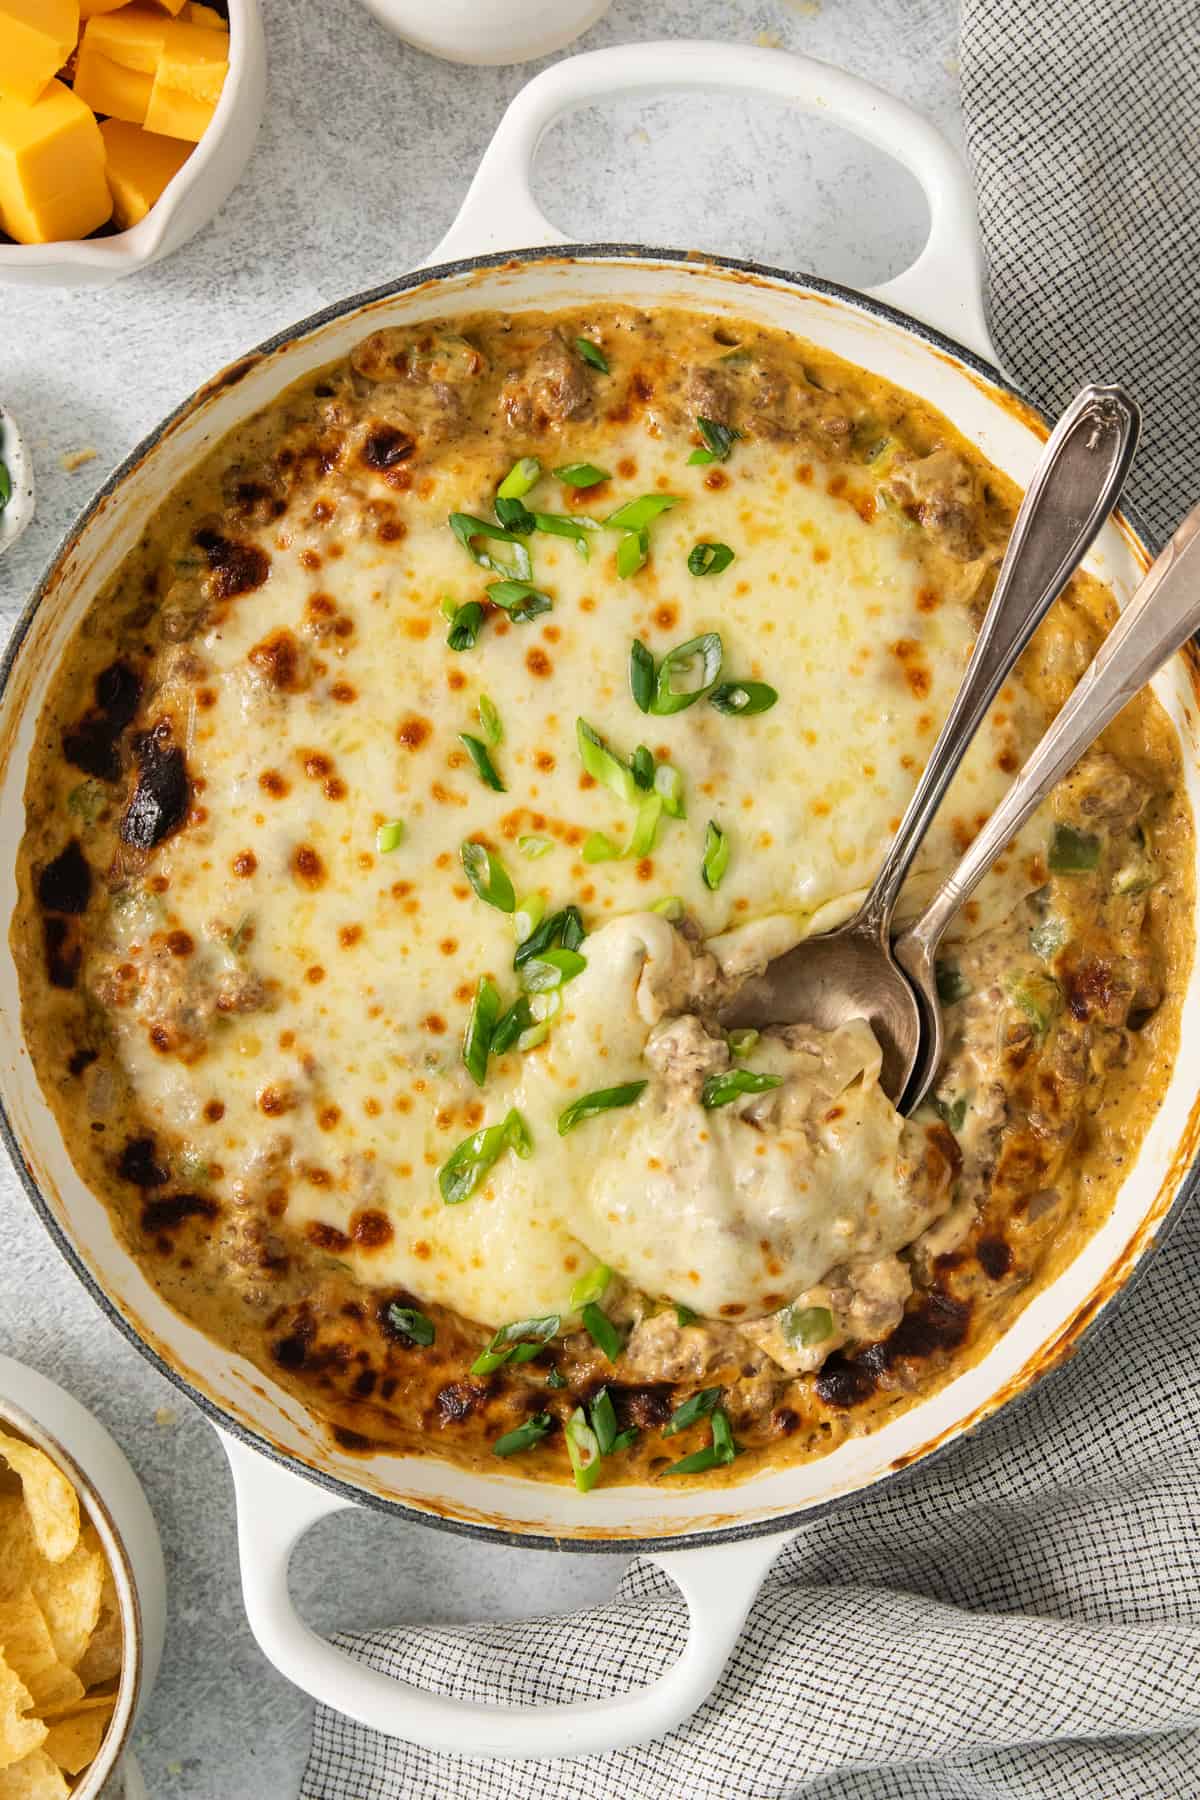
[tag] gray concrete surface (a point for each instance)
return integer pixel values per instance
(366, 149)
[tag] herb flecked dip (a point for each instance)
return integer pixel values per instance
(457, 738)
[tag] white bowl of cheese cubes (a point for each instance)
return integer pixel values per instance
(124, 125)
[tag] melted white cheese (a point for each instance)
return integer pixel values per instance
(372, 969)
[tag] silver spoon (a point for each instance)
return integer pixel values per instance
(851, 973)
(1163, 614)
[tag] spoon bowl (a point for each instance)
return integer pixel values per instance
(849, 973)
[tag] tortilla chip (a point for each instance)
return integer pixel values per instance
(102, 1658)
(51, 1501)
(73, 1742)
(29, 1650)
(36, 1778)
(18, 1736)
(69, 1596)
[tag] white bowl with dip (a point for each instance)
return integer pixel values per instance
(111, 1499)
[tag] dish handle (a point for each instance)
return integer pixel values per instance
(274, 1510)
(942, 288)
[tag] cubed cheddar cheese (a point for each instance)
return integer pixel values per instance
(187, 85)
(89, 8)
(193, 60)
(139, 166)
(52, 183)
(208, 16)
(132, 36)
(179, 115)
(109, 87)
(173, 6)
(36, 38)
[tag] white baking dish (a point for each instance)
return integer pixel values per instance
(926, 332)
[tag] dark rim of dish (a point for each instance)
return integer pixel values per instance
(776, 1525)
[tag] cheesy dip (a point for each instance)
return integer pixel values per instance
(413, 800)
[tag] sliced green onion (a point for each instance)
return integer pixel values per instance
(488, 876)
(635, 515)
(555, 1379)
(5, 486)
(641, 767)
(481, 1026)
(741, 1043)
(592, 353)
(719, 438)
(583, 1450)
(535, 1035)
(485, 768)
(730, 1084)
(590, 1286)
(952, 984)
(598, 848)
(603, 766)
(602, 1331)
(448, 607)
(602, 1101)
(699, 1460)
(520, 479)
(1047, 937)
(671, 908)
(743, 698)
(804, 1326)
(575, 527)
(632, 552)
(952, 1116)
(684, 1314)
(645, 828)
(1073, 852)
(573, 932)
(520, 599)
(641, 675)
(510, 1025)
(514, 515)
(464, 627)
(415, 1325)
(542, 934)
(545, 1006)
(470, 1161)
(604, 1421)
(524, 1437)
(699, 657)
(581, 475)
(722, 1450)
(519, 1342)
(709, 559)
(516, 1133)
(466, 528)
(552, 969)
(698, 1406)
(489, 721)
(389, 837)
(1038, 997)
(668, 785)
(534, 846)
(716, 855)
(722, 1433)
(87, 801)
(528, 916)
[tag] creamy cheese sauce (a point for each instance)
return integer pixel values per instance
(272, 1005)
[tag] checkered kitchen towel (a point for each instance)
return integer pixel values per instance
(1022, 1619)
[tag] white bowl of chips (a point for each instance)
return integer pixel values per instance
(82, 1596)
